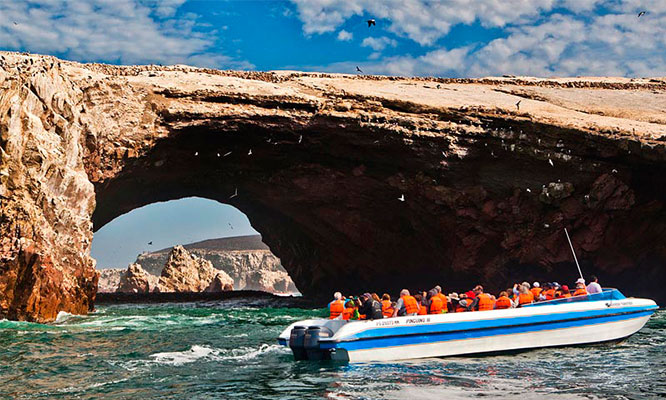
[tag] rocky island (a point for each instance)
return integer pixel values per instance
(355, 182)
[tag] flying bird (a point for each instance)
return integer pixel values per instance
(640, 14)
(358, 69)
(518, 105)
(300, 138)
(371, 22)
(16, 23)
(249, 153)
(230, 226)
(402, 197)
(150, 243)
(227, 154)
(235, 194)
(218, 154)
(196, 153)
(551, 162)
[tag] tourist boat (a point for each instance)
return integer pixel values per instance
(594, 318)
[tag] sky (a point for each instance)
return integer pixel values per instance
(165, 224)
(447, 38)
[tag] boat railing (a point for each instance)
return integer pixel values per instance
(606, 294)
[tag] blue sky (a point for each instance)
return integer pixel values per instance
(449, 38)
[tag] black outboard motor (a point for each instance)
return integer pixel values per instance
(311, 344)
(296, 340)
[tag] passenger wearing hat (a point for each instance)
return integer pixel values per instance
(580, 288)
(565, 292)
(536, 290)
(370, 308)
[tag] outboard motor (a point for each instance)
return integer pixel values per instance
(311, 344)
(296, 340)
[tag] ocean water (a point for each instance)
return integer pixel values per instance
(228, 350)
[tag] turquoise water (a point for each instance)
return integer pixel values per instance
(228, 350)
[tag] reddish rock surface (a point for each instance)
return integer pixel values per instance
(330, 156)
(184, 272)
(136, 280)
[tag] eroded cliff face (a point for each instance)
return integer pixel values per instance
(184, 272)
(319, 163)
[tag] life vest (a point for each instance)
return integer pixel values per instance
(445, 301)
(387, 310)
(336, 308)
(347, 313)
(435, 305)
(460, 308)
(536, 291)
(550, 294)
(423, 310)
(502, 303)
(525, 298)
(580, 292)
(485, 303)
(411, 307)
(565, 295)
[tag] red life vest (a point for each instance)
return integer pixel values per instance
(411, 307)
(502, 303)
(435, 305)
(387, 310)
(336, 308)
(485, 303)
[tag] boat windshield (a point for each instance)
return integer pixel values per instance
(606, 294)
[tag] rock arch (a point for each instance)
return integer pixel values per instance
(330, 157)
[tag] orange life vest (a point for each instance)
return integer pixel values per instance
(423, 310)
(445, 301)
(460, 308)
(536, 291)
(336, 308)
(550, 294)
(347, 313)
(435, 305)
(580, 292)
(502, 303)
(387, 310)
(565, 295)
(485, 303)
(411, 307)
(525, 298)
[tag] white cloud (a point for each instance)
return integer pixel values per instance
(124, 31)
(378, 44)
(345, 36)
(423, 21)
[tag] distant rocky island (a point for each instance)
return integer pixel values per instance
(215, 265)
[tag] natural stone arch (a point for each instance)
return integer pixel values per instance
(331, 155)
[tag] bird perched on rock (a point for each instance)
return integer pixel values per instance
(358, 69)
(518, 105)
(640, 14)
(371, 22)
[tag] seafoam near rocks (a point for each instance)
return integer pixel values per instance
(318, 162)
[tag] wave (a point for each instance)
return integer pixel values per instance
(205, 353)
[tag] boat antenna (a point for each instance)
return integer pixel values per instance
(574, 253)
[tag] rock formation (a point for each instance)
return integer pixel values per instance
(184, 272)
(246, 259)
(330, 157)
(109, 279)
(137, 280)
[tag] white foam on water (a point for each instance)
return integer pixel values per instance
(184, 357)
(62, 317)
(197, 353)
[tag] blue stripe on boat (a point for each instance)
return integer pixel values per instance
(433, 337)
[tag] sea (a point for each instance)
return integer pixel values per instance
(228, 350)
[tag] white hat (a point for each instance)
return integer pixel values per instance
(580, 280)
(536, 284)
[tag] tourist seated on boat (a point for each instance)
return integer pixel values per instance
(503, 301)
(564, 292)
(387, 307)
(454, 301)
(443, 298)
(581, 290)
(549, 291)
(370, 308)
(482, 301)
(406, 304)
(524, 296)
(348, 312)
(423, 304)
(536, 290)
(435, 304)
(336, 307)
(594, 286)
